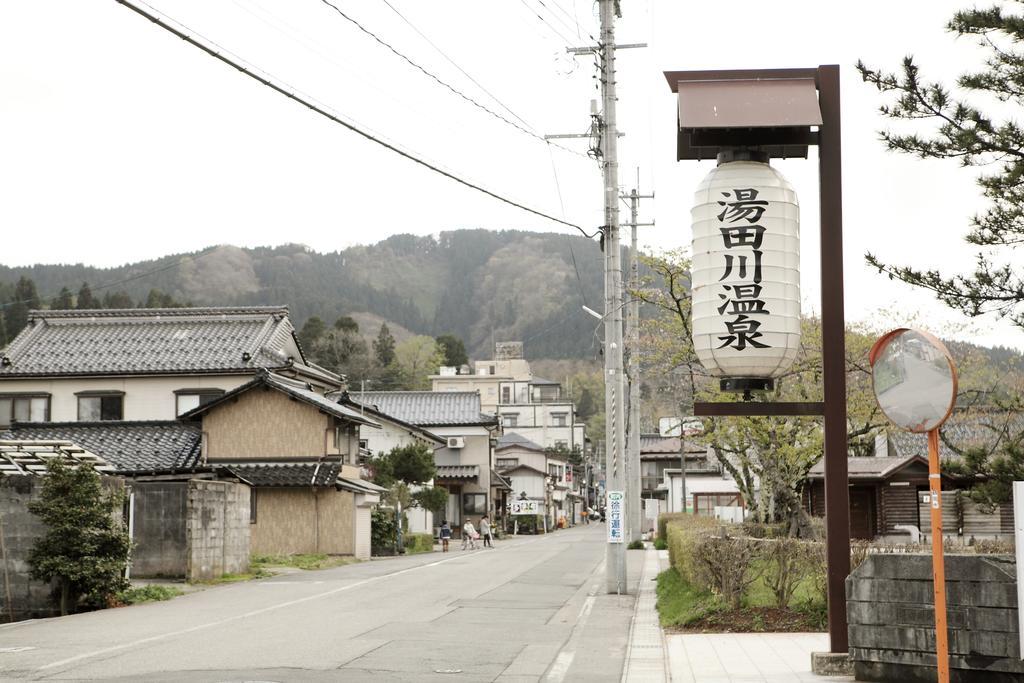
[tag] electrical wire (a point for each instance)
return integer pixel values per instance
(544, 21)
(433, 77)
(336, 118)
(572, 253)
(453, 63)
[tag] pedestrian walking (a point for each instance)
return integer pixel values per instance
(485, 532)
(469, 535)
(446, 535)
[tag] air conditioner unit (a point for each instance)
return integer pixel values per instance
(456, 441)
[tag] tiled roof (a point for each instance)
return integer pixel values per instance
(294, 389)
(868, 467)
(546, 382)
(458, 471)
(500, 482)
(286, 473)
(31, 457)
(360, 486)
(655, 444)
(130, 447)
(965, 430)
(346, 400)
(151, 341)
(510, 439)
(428, 408)
(527, 468)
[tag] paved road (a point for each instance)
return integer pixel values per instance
(532, 609)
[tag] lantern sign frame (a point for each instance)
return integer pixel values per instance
(780, 113)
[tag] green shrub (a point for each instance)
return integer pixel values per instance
(660, 544)
(134, 596)
(665, 518)
(383, 530)
(681, 534)
(788, 563)
(418, 543)
(635, 545)
(726, 565)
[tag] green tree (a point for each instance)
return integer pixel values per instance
(412, 464)
(454, 350)
(25, 299)
(63, 301)
(117, 300)
(85, 299)
(158, 299)
(417, 358)
(343, 352)
(347, 323)
(384, 347)
(311, 331)
(85, 547)
(976, 125)
(434, 499)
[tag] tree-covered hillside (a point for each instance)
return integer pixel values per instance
(478, 285)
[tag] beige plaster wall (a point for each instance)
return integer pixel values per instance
(263, 423)
(303, 520)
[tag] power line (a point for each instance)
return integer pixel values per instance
(304, 101)
(544, 21)
(433, 77)
(453, 63)
(115, 283)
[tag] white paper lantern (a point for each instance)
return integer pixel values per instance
(746, 272)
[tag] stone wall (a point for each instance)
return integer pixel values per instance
(158, 534)
(217, 529)
(890, 608)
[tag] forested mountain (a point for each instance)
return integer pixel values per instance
(479, 285)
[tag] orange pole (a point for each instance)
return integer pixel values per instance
(938, 564)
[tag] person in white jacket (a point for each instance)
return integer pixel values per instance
(468, 535)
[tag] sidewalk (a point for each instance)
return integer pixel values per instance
(715, 657)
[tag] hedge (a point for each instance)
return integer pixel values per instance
(418, 543)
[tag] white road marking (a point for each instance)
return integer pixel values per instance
(563, 661)
(263, 610)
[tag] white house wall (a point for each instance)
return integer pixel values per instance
(145, 398)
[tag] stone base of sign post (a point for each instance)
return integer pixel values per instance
(831, 664)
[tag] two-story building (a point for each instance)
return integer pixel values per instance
(525, 404)
(465, 464)
(144, 364)
(540, 474)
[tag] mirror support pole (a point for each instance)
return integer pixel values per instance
(938, 561)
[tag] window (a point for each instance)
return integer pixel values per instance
(474, 503)
(509, 420)
(559, 419)
(100, 406)
(506, 463)
(187, 399)
(555, 471)
(506, 394)
(24, 408)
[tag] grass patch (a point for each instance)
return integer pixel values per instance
(307, 561)
(679, 603)
(253, 573)
(134, 596)
(660, 544)
(635, 545)
(759, 595)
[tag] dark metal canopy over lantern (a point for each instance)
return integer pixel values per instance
(773, 110)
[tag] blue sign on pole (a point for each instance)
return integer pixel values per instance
(614, 515)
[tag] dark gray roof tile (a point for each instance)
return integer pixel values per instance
(286, 473)
(428, 408)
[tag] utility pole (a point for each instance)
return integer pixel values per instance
(634, 505)
(615, 555)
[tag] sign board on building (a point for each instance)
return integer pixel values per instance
(524, 507)
(614, 516)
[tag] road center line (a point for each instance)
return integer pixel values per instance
(264, 610)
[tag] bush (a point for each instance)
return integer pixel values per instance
(383, 531)
(635, 545)
(665, 518)
(134, 596)
(660, 544)
(788, 561)
(85, 546)
(681, 536)
(726, 565)
(418, 543)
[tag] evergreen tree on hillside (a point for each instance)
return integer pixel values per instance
(454, 350)
(963, 131)
(25, 299)
(86, 300)
(63, 301)
(158, 299)
(347, 324)
(310, 332)
(117, 300)
(384, 347)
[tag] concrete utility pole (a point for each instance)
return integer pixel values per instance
(613, 395)
(634, 504)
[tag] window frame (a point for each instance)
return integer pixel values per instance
(101, 395)
(477, 505)
(14, 396)
(212, 393)
(498, 463)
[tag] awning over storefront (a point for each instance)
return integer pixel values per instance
(458, 472)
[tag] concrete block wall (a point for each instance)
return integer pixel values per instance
(29, 599)
(160, 510)
(217, 529)
(890, 609)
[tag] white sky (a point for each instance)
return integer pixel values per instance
(119, 142)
